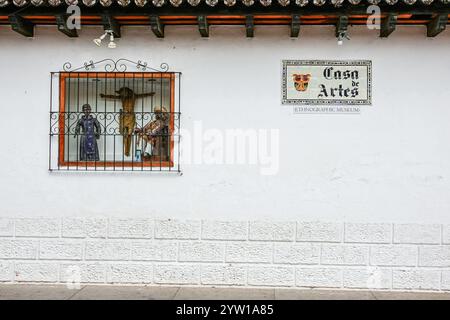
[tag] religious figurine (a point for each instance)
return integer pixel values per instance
(155, 133)
(127, 117)
(91, 132)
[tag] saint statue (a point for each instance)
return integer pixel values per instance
(91, 132)
(156, 134)
(127, 117)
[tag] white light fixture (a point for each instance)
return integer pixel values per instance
(111, 44)
(341, 37)
(98, 41)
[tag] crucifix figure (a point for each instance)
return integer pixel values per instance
(127, 118)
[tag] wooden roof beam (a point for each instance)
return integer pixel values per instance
(110, 23)
(295, 26)
(249, 26)
(61, 22)
(341, 25)
(157, 26)
(20, 25)
(387, 25)
(437, 25)
(203, 26)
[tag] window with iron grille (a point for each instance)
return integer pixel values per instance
(115, 119)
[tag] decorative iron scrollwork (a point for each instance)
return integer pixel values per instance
(120, 65)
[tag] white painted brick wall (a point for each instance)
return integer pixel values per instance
(223, 275)
(271, 276)
(6, 271)
(198, 251)
(86, 272)
(320, 231)
(130, 273)
(445, 285)
(446, 234)
(175, 229)
(368, 232)
(130, 228)
(368, 278)
(392, 255)
(319, 277)
(224, 230)
(177, 274)
(60, 250)
(230, 253)
(6, 227)
(157, 250)
(434, 256)
(417, 233)
(416, 279)
(36, 272)
(272, 231)
(85, 227)
(336, 254)
(297, 253)
(37, 227)
(18, 249)
(249, 252)
(107, 250)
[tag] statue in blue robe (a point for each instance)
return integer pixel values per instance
(91, 132)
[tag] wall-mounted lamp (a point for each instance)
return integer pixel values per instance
(111, 43)
(341, 37)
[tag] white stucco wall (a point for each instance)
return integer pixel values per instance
(359, 201)
(391, 163)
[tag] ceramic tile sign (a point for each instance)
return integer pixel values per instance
(327, 86)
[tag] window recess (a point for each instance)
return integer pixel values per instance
(114, 119)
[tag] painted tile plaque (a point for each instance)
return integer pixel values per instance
(327, 82)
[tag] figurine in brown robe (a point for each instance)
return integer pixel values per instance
(155, 133)
(127, 118)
